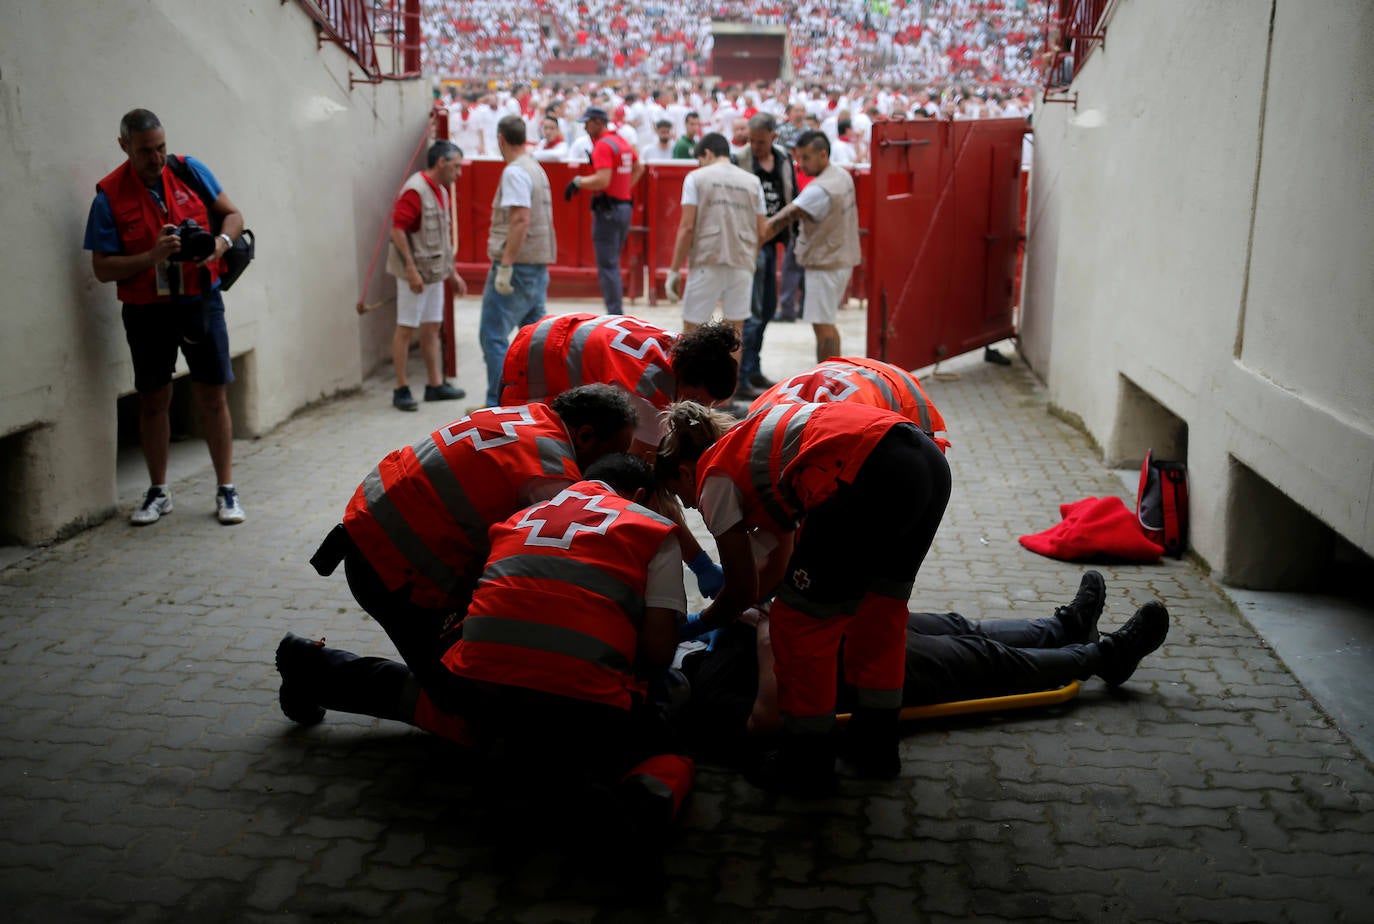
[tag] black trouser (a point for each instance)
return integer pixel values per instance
(761, 311)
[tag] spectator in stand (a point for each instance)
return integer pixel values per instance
(842, 153)
(553, 146)
(663, 148)
(686, 145)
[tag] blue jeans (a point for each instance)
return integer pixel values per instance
(765, 304)
(503, 314)
(610, 227)
(793, 283)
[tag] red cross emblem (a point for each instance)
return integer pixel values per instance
(801, 580)
(556, 523)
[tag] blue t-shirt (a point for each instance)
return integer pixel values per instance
(102, 236)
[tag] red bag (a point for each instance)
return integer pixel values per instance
(1161, 506)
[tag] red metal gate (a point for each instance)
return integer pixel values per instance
(944, 230)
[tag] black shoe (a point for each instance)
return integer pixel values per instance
(1123, 650)
(870, 743)
(801, 768)
(992, 356)
(443, 392)
(1080, 615)
(402, 400)
(759, 380)
(294, 655)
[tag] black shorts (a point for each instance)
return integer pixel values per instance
(155, 333)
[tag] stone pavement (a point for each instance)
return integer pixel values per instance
(148, 775)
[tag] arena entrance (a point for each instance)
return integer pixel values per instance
(745, 52)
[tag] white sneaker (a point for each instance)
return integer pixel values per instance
(227, 506)
(155, 503)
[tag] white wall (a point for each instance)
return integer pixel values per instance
(312, 164)
(1203, 224)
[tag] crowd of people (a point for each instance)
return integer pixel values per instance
(988, 42)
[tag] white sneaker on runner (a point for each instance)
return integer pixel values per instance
(227, 506)
(155, 503)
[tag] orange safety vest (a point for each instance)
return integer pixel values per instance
(139, 222)
(564, 351)
(860, 380)
(561, 600)
(421, 517)
(792, 457)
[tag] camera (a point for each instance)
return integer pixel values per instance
(196, 242)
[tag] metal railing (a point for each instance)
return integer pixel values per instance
(1073, 30)
(381, 36)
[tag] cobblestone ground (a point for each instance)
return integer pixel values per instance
(148, 774)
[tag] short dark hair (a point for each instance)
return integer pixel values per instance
(663, 123)
(442, 150)
(138, 120)
(692, 115)
(604, 408)
(713, 142)
(816, 141)
(625, 473)
(705, 358)
(512, 128)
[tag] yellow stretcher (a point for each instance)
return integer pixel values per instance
(987, 704)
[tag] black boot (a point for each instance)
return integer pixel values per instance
(804, 767)
(871, 745)
(1079, 617)
(315, 678)
(1121, 651)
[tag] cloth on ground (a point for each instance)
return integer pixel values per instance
(1095, 527)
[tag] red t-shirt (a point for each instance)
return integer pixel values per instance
(604, 156)
(406, 213)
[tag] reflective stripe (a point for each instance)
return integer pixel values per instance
(384, 512)
(878, 699)
(540, 637)
(455, 499)
(553, 454)
(809, 724)
(656, 380)
(646, 512)
(654, 785)
(922, 407)
(577, 345)
(777, 497)
(538, 384)
(570, 571)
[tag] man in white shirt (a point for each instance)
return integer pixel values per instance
(662, 148)
(553, 145)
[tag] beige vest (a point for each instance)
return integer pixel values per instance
(832, 243)
(726, 231)
(432, 246)
(539, 245)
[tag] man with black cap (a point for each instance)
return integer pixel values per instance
(617, 169)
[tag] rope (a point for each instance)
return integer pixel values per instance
(362, 306)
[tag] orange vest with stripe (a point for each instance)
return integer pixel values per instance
(860, 380)
(790, 458)
(561, 600)
(421, 516)
(139, 222)
(564, 351)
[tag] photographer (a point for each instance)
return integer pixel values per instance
(148, 233)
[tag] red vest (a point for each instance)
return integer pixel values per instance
(562, 598)
(793, 457)
(567, 350)
(421, 516)
(860, 380)
(139, 222)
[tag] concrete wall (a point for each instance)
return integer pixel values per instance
(312, 164)
(1200, 269)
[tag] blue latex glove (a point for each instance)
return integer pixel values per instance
(692, 628)
(710, 576)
